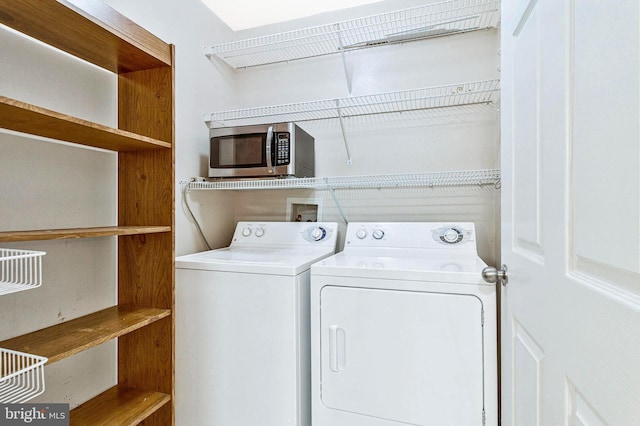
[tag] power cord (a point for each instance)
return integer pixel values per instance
(185, 200)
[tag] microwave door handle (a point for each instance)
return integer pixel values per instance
(268, 150)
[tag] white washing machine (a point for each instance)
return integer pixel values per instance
(403, 329)
(242, 326)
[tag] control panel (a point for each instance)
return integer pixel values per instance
(282, 149)
(285, 233)
(436, 235)
(370, 234)
(453, 235)
(375, 233)
(315, 233)
(450, 235)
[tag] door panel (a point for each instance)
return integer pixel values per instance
(526, 154)
(581, 412)
(605, 137)
(523, 341)
(527, 368)
(409, 357)
(571, 316)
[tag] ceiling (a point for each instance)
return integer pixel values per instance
(234, 12)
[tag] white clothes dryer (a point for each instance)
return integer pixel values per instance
(242, 326)
(404, 329)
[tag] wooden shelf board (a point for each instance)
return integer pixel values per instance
(69, 338)
(90, 30)
(118, 406)
(27, 118)
(65, 234)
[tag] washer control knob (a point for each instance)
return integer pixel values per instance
(361, 234)
(451, 236)
(259, 232)
(378, 234)
(317, 234)
(246, 232)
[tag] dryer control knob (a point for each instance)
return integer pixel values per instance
(259, 232)
(246, 232)
(452, 236)
(318, 233)
(378, 234)
(361, 234)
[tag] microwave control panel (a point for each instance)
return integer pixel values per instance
(282, 151)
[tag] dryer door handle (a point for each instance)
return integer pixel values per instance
(337, 348)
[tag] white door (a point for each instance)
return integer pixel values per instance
(571, 212)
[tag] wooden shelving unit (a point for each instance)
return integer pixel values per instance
(145, 141)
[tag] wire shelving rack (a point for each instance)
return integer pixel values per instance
(481, 178)
(416, 23)
(468, 93)
(456, 95)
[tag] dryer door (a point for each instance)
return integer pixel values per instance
(405, 356)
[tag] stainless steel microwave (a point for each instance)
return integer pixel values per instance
(281, 149)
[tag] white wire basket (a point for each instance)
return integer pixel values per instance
(20, 270)
(21, 376)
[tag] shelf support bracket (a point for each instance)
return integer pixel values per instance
(335, 200)
(344, 133)
(344, 57)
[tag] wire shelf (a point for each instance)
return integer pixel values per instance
(21, 376)
(470, 93)
(416, 23)
(20, 270)
(438, 179)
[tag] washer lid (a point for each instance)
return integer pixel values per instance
(265, 260)
(274, 248)
(404, 264)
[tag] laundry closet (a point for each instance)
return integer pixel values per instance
(403, 107)
(407, 128)
(405, 125)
